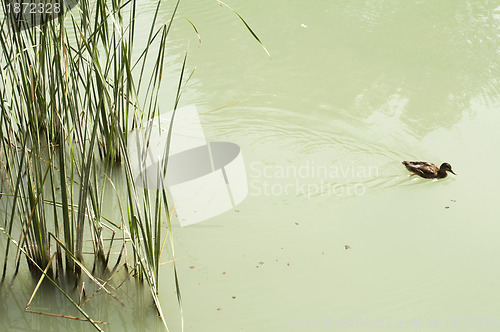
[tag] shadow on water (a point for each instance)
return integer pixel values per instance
(438, 63)
(419, 62)
(434, 65)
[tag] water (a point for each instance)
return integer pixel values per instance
(353, 88)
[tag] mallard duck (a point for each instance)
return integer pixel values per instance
(428, 170)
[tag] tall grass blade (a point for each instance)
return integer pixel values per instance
(248, 27)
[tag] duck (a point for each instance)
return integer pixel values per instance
(428, 170)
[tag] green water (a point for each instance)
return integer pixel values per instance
(353, 88)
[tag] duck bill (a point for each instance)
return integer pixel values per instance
(453, 172)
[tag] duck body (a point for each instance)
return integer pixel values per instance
(428, 170)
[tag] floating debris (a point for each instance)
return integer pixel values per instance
(347, 247)
(237, 210)
(219, 308)
(233, 297)
(453, 200)
(261, 262)
(446, 207)
(296, 223)
(288, 264)
(192, 267)
(303, 25)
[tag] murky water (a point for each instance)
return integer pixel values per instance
(353, 88)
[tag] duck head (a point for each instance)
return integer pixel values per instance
(445, 167)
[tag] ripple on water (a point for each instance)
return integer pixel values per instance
(276, 138)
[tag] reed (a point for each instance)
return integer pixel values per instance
(70, 92)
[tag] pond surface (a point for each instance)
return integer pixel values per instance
(353, 88)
